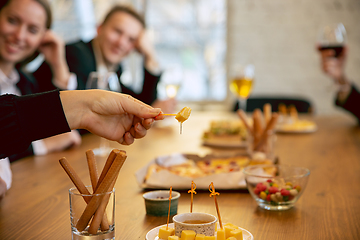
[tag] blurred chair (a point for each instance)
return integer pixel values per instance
(302, 105)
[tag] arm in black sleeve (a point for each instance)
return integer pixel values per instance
(352, 103)
(28, 118)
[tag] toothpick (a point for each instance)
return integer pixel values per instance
(213, 193)
(192, 191)
(167, 224)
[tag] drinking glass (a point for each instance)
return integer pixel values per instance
(78, 204)
(241, 83)
(172, 78)
(333, 37)
(105, 81)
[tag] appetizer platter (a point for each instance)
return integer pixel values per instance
(153, 233)
(290, 122)
(197, 225)
(225, 133)
(179, 169)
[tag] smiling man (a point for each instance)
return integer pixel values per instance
(121, 32)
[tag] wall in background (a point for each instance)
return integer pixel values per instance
(279, 36)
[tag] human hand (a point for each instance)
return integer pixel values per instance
(115, 116)
(144, 45)
(62, 141)
(3, 188)
(53, 49)
(167, 106)
(334, 66)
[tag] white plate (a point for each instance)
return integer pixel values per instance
(224, 143)
(305, 130)
(153, 233)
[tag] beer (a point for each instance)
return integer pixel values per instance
(241, 87)
(171, 90)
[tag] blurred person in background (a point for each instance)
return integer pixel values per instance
(24, 30)
(348, 96)
(121, 32)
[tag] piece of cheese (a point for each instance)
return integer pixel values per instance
(220, 234)
(228, 229)
(237, 233)
(188, 235)
(200, 237)
(165, 233)
(183, 115)
(173, 238)
(210, 238)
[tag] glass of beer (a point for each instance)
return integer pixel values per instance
(241, 83)
(332, 37)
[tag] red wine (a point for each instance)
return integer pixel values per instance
(337, 48)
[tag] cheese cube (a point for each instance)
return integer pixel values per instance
(188, 235)
(200, 237)
(210, 238)
(220, 234)
(237, 234)
(173, 238)
(231, 238)
(231, 225)
(228, 229)
(183, 115)
(165, 233)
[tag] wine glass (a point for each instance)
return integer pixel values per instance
(172, 78)
(332, 37)
(105, 81)
(241, 83)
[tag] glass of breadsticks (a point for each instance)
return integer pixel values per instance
(261, 132)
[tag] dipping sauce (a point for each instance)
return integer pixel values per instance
(195, 221)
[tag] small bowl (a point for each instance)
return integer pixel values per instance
(276, 187)
(200, 223)
(157, 202)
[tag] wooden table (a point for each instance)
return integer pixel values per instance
(37, 205)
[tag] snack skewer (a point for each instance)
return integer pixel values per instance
(168, 218)
(192, 191)
(181, 116)
(213, 193)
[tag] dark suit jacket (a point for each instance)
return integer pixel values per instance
(352, 103)
(81, 60)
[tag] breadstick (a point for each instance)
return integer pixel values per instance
(100, 213)
(99, 193)
(107, 165)
(282, 109)
(270, 126)
(293, 113)
(94, 225)
(243, 117)
(90, 157)
(257, 128)
(75, 179)
(267, 112)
